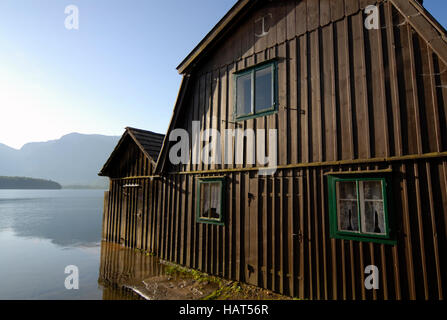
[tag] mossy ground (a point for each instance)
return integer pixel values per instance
(156, 279)
(227, 289)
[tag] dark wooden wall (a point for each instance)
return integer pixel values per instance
(283, 232)
(367, 100)
(345, 92)
(126, 212)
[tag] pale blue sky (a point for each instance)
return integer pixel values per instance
(117, 70)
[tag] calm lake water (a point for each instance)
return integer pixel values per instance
(42, 232)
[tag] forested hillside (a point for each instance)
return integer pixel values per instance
(27, 183)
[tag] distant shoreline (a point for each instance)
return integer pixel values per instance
(25, 183)
(76, 187)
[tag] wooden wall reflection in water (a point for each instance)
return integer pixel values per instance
(123, 268)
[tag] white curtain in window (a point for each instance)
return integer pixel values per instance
(205, 200)
(215, 197)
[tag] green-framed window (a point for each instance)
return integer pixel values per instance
(359, 208)
(255, 91)
(210, 200)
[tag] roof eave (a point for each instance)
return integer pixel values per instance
(129, 129)
(103, 173)
(127, 132)
(424, 24)
(179, 102)
(215, 33)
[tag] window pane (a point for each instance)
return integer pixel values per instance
(264, 94)
(210, 200)
(243, 95)
(372, 190)
(205, 200)
(215, 201)
(373, 215)
(347, 190)
(347, 212)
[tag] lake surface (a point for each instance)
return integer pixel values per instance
(42, 232)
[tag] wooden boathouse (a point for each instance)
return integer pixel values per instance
(126, 204)
(361, 170)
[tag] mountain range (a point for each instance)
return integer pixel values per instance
(73, 160)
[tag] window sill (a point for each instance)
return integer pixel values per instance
(257, 115)
(218, 223)
(363, 238)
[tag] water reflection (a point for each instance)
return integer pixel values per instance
(119, 293)
(43, 231)
(33, 268)
(66, 217)
(148, 276)
(122, 268)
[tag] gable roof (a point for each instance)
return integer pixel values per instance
(149, 143)
(424, 24)
(417, 16)
(219, 30)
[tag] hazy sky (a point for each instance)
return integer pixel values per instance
(117, 70)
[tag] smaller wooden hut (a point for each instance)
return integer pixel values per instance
(130, 168)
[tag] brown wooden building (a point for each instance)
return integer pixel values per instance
(361, 174)
(126, 203)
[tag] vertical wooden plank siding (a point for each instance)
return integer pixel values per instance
(344, 93)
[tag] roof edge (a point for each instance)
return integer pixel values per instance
(136, 129)
(128, 132)
(178, 105)
(425, 25)
(402, 5)
(101, 173)
(140, 145)
(214, 33)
